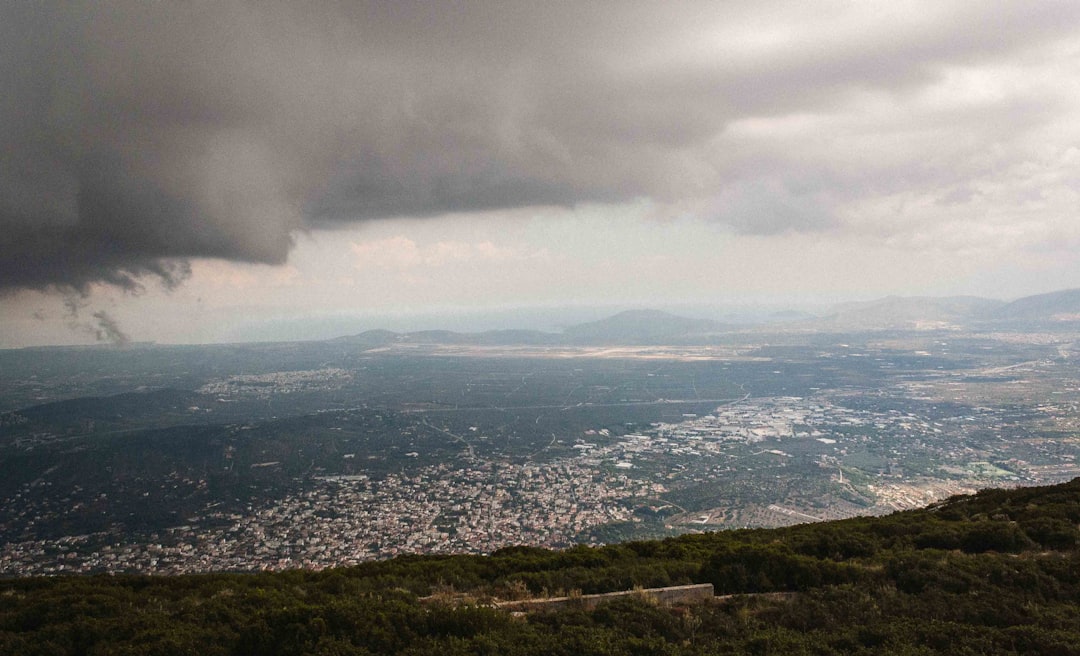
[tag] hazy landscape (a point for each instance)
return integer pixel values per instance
(572, 329)
(171, 459)
(780, 488)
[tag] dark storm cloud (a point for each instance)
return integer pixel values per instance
(136, 135)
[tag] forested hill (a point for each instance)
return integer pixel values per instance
(994, 573)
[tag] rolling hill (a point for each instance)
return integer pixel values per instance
(1061, 305)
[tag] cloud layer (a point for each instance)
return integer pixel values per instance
(134, 136)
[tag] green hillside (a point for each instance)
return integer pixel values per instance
(995, 573)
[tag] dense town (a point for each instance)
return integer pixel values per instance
(346, 519)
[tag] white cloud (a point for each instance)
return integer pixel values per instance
(400, 252)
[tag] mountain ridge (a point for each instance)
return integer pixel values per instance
(1061, 305)
(650, 326)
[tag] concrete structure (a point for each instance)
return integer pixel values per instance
(679, 594)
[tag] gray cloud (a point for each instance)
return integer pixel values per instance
(104, 327)
(134, 136)
(108, 330)
(765, 207)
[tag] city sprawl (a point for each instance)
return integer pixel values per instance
(444, 449)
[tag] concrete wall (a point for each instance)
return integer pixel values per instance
(680, 594)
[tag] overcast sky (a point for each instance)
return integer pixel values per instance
(192, 171)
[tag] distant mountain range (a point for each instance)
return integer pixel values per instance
(641, 327)
(895, 312)
(1061, 306)
(908, 312)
